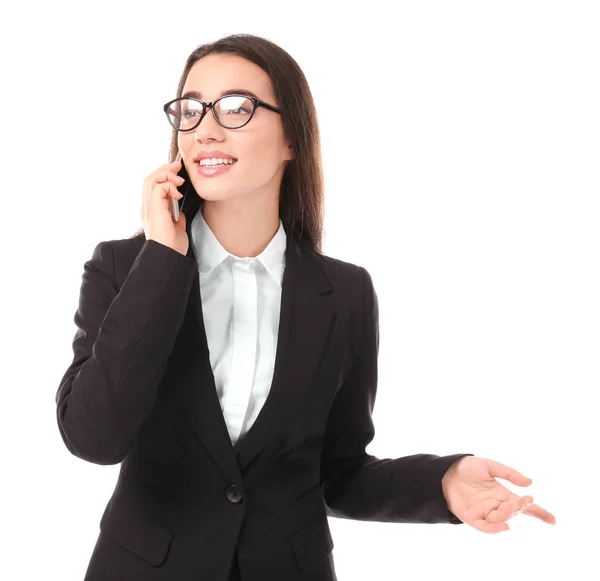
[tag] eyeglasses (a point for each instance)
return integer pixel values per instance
(230, 111)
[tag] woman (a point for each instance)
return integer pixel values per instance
(231, 367)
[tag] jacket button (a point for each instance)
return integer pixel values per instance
(233, 494)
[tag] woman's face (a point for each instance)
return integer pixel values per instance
(259, 147)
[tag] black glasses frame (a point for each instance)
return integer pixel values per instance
(210, 105)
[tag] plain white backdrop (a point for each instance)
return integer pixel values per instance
(475, 208)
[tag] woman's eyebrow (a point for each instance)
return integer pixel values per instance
(198, 94)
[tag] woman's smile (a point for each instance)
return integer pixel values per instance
(214, 170)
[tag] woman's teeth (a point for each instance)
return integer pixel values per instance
(216, 161)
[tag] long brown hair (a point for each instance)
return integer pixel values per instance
(301, 195)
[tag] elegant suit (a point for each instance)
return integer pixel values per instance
(187, 503)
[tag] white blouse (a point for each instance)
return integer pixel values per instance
(241, 299)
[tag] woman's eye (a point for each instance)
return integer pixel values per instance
(237, 111)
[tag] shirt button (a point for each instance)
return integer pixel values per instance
(234, 495)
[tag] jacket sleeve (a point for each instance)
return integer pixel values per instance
(120, 350)
(363, 487)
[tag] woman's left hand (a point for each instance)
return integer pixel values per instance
(476, 498)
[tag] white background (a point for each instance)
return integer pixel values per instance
(475, 210)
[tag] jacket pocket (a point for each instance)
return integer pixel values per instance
(312, 544)
(134, 532)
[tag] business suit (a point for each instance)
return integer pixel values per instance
(140, 391)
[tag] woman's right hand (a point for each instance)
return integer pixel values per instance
(159, 189)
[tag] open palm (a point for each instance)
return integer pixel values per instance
(475, 496)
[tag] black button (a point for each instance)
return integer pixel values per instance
(233, 494)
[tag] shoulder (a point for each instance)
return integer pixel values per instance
(119, 249)
(357, 294)
(115, 257)
(127, 248)
(355, 283)
(344, 272)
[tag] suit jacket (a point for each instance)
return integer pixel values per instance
(140, 392)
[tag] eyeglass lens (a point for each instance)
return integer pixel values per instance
(231, 111)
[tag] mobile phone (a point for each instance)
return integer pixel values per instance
(176, 205)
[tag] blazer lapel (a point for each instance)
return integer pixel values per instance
(305, 321)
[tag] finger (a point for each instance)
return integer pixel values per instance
(519, 505)
(538, 512)
(174, 192)
(500, 514)
(165, 175)
(499, 511)
(160, 174)
(490, 528)
(505, 472)
(167, 192)
(503, 510)
(491, 519)
(507, 509)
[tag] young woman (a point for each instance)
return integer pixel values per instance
(231, 367)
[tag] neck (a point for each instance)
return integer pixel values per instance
(243, 227)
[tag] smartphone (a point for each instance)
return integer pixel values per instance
(176, 205)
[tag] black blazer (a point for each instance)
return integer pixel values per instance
(140, 391)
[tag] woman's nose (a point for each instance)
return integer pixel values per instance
(208, 127)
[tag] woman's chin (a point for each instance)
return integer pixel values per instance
(216, 196)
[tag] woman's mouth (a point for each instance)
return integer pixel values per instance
(214, 166)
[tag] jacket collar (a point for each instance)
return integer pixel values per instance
(210, 253)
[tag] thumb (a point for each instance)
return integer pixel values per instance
(498, 470)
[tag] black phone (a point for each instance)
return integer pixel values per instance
(177, 205)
